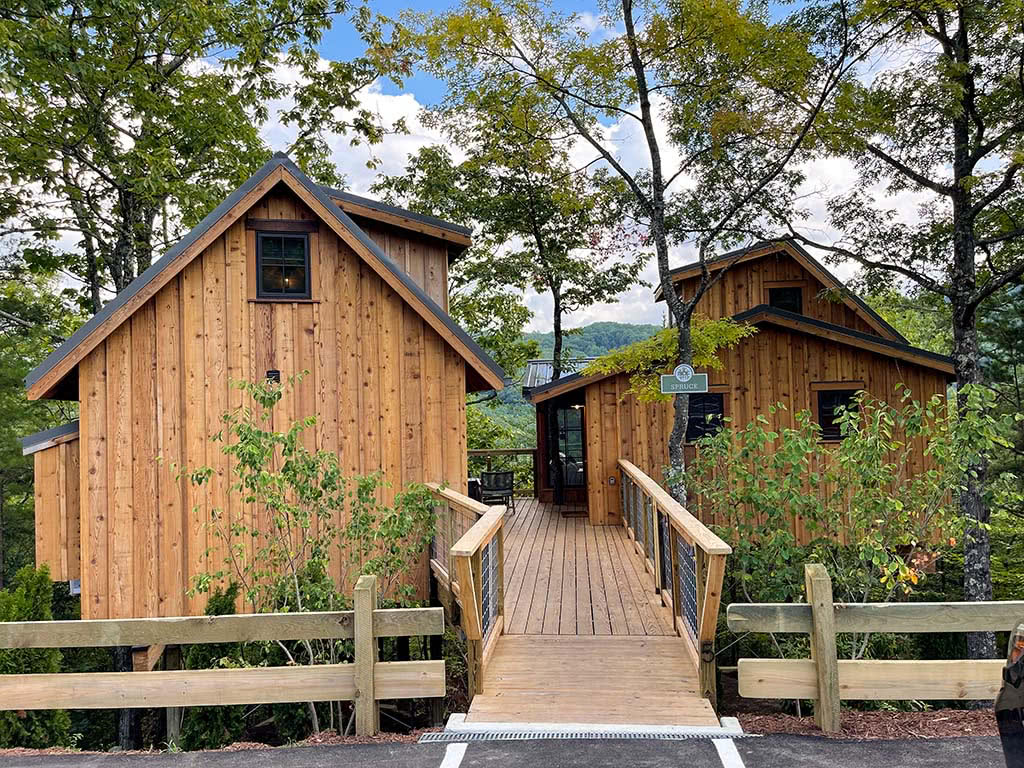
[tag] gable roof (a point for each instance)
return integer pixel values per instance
(806, 260)
(763, 313)
(456, 236)
(791, 321)
(45, 378)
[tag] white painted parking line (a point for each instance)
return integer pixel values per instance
(728, 753)
(453, 755)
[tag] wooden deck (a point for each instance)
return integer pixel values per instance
(564, 576)
(587, 639)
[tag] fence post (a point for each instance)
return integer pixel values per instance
(174, 715)
(823, 646)
(367, 713)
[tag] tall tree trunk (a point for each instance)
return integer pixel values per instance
(963, 280)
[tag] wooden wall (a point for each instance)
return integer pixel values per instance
(774, 365)
(389, 393)
(57, 509)
(745, 285)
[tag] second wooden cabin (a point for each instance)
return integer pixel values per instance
(817, 345)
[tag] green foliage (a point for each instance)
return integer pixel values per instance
(595, 339)
(281, 557)
(123, 122)
(895, 518)
(646, 360)
(30, 598)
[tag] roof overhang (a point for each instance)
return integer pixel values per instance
(764, 314)
(48, 438)
(562, 386)
(806, 260)
(47, 378)
(456, 237)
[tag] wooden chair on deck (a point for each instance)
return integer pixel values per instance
(498, 487)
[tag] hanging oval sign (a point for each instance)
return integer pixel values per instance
(683, 372)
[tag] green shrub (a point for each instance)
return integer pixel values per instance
(30, 598)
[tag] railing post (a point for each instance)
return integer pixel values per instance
(367, 712)
(823, 646)
(501, 572)
(174, 715)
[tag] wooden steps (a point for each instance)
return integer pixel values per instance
(597, 679)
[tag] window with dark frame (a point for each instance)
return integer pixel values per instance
(282, 266)
(829, 401)
(789, 298)
(706, 412)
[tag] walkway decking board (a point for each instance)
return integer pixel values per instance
(587, 639)
(591, 679)
(564, 576)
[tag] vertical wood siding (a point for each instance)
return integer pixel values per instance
(745, 285)
(774, 365)
(388, 391)
(57, 509)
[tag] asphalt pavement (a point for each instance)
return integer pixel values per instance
(753, 752)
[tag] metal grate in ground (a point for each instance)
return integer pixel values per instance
(444, 737)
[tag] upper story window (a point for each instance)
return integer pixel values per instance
(282, 266)
(790, 298)
(706, 412)
(829, 401)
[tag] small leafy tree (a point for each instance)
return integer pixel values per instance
(874, 519)
(30, 598)
(647, 359)
(279, 556)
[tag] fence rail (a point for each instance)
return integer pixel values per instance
(686, 559)
(471, 570)
(365, 681)
(509, 459)
(828, 679)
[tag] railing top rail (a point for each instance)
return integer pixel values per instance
(693, 528)
(501, 451)
(457, 499)
(480, 534)
(993, 616)
(235, 628)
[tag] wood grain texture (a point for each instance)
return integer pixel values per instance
(233, 628)
(873, 680)
(999, 616)
(217, 687)
(388, 391)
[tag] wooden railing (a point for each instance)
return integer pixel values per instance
(365, 681)
(467, 560)
(484, 458)
(827, 679)
(686, 559)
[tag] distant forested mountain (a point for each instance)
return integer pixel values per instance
(596, 339)
(512, 418)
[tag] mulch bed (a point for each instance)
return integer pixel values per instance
(321, 739)
(937, 724)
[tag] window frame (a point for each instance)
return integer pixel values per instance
(851, 389)
(799, 288)
(686, 438)
(307, 292)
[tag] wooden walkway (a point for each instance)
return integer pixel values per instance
(564, 576)
(587, 639)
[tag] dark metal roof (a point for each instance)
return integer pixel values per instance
(539, 372)
(40, 440)
(278, 160)
(386, 208)
(765, 309)
(807, 255)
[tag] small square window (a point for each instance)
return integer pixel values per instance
(789, 298)
(282, 266)
(829, 401)
(706, 412)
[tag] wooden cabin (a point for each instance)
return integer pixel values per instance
(282, 277)
(817, 345)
